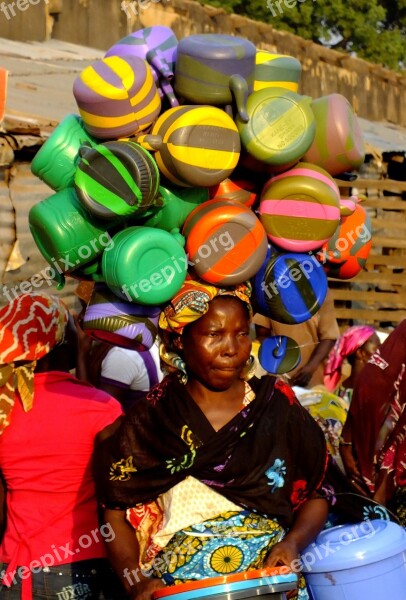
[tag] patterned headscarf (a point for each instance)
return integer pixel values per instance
(30, 326)
(352, 339)
(192, 301)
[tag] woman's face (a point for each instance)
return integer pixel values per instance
(217, 346)
(371, 345)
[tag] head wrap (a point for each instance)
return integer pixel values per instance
(30, 326)
(192, 301)
(352, 339)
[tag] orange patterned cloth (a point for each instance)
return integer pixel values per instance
(30, 326)
(192, 301)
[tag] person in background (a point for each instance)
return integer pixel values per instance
(373, 447)
(123, 373)
(315, 338)
(53, 545)
(127, 374)
(353, 348)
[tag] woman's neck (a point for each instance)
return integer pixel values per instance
(218, 406)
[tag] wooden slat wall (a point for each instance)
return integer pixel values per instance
(377, 296)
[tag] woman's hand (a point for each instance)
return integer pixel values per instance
(283, 553)
(145, 588)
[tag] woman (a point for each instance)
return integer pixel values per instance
(373, 447)
(354, 347)
(223, 474)
(52, 546)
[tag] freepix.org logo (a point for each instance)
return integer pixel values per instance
(9, 9)
(103, 243)
(277, 7)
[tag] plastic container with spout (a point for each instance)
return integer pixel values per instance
(56, 161)
(215, 69)
(177, 204)
(338, 144)
(290, 287)
(145, 265)
(276, 70)
(300, 208)
(117, 97)
(195, 145)
(346, 252)
(281, 126)
(225, 241)
(117, 179)
(65, 234)
(157, 45)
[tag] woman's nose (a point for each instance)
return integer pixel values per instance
(230, 345)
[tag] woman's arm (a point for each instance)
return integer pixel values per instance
(309, 521)
(123, 553)
(347, 455)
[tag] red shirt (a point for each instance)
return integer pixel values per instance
(45, 458)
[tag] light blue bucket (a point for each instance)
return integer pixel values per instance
(353, 562)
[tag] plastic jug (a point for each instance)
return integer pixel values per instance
(281, 126)
(157, 45)
(65, 234)
(117, 97)
(216, 69)
(338, 144)
(279, 354)
(353, 237)
(117, 179)
(290, 287)
(178, 203)
(225, 241)
(195, 145)
(145, 265)
(238, 190)
(56, 161)
(276, 70)
(300, 208)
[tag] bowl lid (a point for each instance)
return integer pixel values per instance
(353, 546)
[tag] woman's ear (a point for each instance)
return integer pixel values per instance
(362, 355)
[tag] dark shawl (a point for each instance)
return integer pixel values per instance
(269, 458)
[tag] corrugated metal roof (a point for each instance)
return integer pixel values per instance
(385, 137)
(41, 76)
